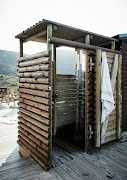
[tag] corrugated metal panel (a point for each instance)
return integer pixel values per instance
(63, 32)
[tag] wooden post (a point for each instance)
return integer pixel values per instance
(98, 97)
(87, 41)
(21, 150)
(21, 47)
(54, 85)
(118, 115)
(86, 99)
(49, 48)
(77, 79)
(113, 45)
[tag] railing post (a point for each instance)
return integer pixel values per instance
(49, 48)
(119, 99)
(97, 97)
(21, 47)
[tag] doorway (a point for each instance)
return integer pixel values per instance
(70, 96)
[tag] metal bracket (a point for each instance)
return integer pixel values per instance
(91, 64)
(90, 131)
(50, 88)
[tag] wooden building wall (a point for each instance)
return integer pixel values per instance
(113, 129)
(34, 111)
(111, 133)
(124, 85)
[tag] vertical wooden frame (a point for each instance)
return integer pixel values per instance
(97, 97)
(86, 99)
(77, 80)
(21, 48)
(54, 92)
(50, 50)
(118, 101)
(87, 41)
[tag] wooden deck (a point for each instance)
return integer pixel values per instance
(68, 163)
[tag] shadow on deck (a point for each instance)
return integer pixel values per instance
(109, 163)
(69, 162)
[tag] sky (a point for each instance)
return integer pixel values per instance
(105, 17)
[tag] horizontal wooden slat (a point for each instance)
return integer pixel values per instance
(33, 86)
(34, 74)
(39, 149)
(35, 110)
(66, 95)
(33, 138)
(34, 80)
(66, 80)
(37, 135)
(65, 103)
(110, 133)
(33, 127)
(31, 148)
(34, 115)
(34, 104)
(112, 127)
(34, 98)
(34, 92)
(34, 56)
(41, 126)
(65, 76)
(65, 83)
(67, 99)
(34, 68)
(43, 60)
(31, 151)
(110, 138)
(66, 87)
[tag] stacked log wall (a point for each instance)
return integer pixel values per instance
(34, 112)
(111, 133)
(114, 122)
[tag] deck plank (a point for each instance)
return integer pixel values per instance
(69, 163)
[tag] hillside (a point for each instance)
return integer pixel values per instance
(65, 62)
(65, 65)
(8, 62)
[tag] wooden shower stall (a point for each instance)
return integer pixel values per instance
(65, 106)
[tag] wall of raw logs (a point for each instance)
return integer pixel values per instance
(34, 112)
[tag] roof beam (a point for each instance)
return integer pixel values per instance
(31, 38)
(68, 43)
(37, 35)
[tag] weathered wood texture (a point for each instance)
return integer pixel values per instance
(114, 124)
(124, 85)
(80, 95)
(65, 100)
(97, 97)
(68, 163)
(34, 107)
(89, 100)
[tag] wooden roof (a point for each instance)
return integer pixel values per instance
(62, 31)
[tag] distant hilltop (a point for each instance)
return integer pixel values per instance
(8, 62)
(65, 62)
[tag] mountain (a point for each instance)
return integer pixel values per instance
(65, 62)
(8, 62)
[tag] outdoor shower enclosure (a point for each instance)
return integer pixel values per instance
(49, 102)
